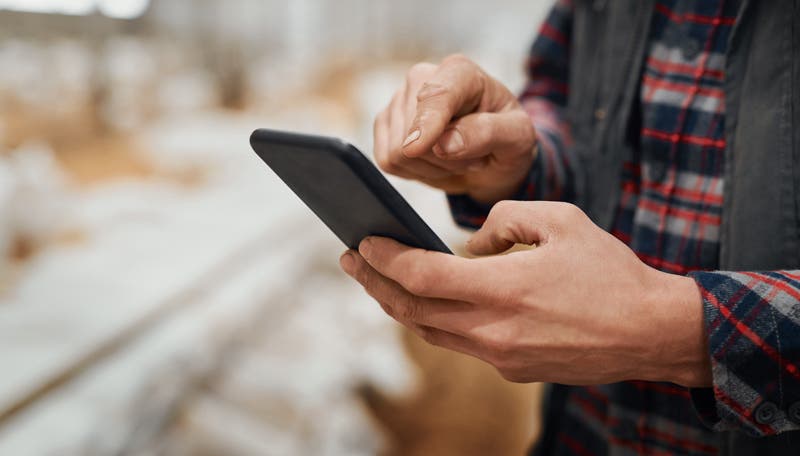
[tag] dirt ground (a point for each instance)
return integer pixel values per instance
(463, 407)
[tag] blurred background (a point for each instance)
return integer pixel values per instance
(161, 291)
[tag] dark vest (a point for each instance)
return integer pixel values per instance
(760, 223)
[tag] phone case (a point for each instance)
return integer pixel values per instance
(343, 188)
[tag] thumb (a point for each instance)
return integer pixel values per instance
(480, 134)
(509, 223)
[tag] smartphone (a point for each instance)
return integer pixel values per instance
(343, 188)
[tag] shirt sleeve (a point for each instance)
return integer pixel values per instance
(753, 324)
(544, 99)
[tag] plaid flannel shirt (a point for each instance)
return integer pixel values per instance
(669, 213)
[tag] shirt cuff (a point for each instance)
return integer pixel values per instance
(752, 321)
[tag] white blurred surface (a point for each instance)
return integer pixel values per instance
(221, 301)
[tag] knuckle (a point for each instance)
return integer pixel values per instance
(430, 90)
(430, 336)
(417, 283)
(500, 364)
(456, 58)
(513, 375)
(364, 278)
(573, 210)
(385, 164)
(503, 208)
(422, 279)
(568, 214)
(395, 159)
(421, 70)
(500, 350)
(409, 309)
(507, 229)
(467, 64)
(387, 308)
(392, 161)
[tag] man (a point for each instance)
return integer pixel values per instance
(674, 125)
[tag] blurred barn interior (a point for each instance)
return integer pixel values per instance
(161, 292)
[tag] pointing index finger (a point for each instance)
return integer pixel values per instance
(454, 90)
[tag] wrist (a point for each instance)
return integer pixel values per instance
(490, 196)
(680, 344)
(509, 186)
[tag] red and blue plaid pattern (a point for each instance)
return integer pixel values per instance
(669, 213)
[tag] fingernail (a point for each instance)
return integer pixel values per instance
(454, 143)
(413, 136)
(437, 150)
(365, 247)
(347, 262)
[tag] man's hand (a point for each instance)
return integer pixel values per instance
(456, 128)
(580, 308)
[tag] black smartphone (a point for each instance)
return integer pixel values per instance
(343, 188)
